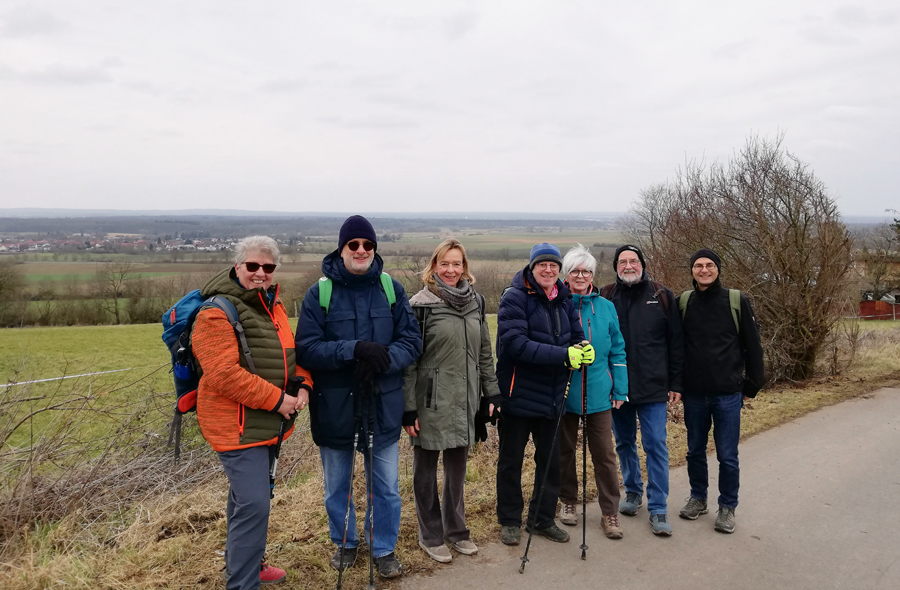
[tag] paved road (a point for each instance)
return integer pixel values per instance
(820, 508)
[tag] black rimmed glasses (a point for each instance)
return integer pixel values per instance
(366, 244)
(255, 266)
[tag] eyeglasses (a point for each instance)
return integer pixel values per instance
(634, 263)
(254, 266)
(366, 244)
(581, 273)
(707, 266)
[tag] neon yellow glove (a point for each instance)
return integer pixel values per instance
(588, 354)
(575, 357)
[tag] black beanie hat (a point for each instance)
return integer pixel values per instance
(356, 226)
(706, 253)
(634, 249)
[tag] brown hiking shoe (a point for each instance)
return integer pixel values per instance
(568, 515)
(610, 524)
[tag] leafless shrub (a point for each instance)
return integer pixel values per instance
(780, 237)
(91, 447)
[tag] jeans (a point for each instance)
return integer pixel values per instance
(336, 466)
(653, 439)
(723, 413)
(247, 514)
(514, 432)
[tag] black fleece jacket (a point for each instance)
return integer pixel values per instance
(653, 339)
(718, 359)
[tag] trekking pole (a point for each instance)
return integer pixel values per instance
(584, 442)
(357, 424)
(371, 441)
(529, 522)
(291, 388)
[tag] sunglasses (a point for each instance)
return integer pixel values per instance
(367, 245)
(254, 266)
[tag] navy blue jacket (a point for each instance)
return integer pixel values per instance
(533, 334)
(358, 311)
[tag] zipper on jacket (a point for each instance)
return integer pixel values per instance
(277, 329)
(241, 423)
(512, 381)
(558, 326)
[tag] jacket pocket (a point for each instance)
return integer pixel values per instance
(431, 392)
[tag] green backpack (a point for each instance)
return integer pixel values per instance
(326, 285)
(734, 299)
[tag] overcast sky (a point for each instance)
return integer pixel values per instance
(429, 105)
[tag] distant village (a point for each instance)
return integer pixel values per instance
(121, 243)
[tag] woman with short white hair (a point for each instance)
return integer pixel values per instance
(593, 394)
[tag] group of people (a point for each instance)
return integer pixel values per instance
(371, 362)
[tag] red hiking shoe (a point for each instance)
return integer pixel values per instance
(270, 575)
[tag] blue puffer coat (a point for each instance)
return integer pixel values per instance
(358, 310)
(533, 334)
(608, 376)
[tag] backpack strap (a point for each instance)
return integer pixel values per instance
(232, 314)
(387, 284)
(659, 294)
(734, 300)
(482, 304)
(326, 285)
(683, 301)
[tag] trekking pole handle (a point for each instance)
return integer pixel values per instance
(292, 387)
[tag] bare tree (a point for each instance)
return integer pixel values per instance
(780, 237)
(879, 259)
(110, 281)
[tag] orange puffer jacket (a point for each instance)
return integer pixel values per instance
(226, 388)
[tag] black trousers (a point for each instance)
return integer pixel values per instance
(514, 433)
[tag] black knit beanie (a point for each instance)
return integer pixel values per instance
(634, 249)
(356, 226)
(706, 253)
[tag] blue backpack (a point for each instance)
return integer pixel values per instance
(178, 323)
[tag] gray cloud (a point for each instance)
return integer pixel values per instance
(26, 21)
(284, 86)
(59, 75)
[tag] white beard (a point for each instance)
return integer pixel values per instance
(631, 278)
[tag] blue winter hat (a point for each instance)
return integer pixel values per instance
(356, 226)
(544, 253)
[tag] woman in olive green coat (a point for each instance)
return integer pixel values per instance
(443, 391)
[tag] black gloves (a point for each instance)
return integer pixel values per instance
(371, 359)
(483, 417)
(292, 387)
(409, 418)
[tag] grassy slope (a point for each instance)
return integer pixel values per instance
(171, 542)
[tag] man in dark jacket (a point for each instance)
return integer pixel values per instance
(723, 366)
(651, 325)
(357, 350)
(537, 328)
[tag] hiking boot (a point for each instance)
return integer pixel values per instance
(510, 535)
(553, 532)
(725, 520)
(389, 566)
(349, 558)
(270, 575)
(466, 547)
(660, 524)
(267, 574)
(629, 506)
(439, 553)
(567, 514)
(610, 524)
(694, 508)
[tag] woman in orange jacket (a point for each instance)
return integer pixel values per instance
(244, 415)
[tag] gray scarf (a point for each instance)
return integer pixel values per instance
(456, 297)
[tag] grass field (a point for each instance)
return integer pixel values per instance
(170, 540)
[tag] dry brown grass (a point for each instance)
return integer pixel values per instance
(173, 540)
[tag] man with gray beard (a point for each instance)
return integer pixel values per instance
(651, 325)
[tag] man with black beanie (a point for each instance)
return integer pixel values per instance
(723, 366)
(357, 344)
(651, 327)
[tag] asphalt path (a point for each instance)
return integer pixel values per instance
(819, 508)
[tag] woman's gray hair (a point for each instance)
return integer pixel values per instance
(578, 257)
(251, 244)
